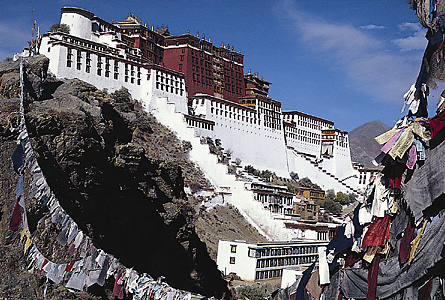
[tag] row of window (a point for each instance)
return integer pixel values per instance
(272, 125)
(169, 83)
(303, 138)
(198, 124)
(166, 76)
(229, 76)
(342, 144)
(201, 62)
(203, 79)
(270, 113)
(306, 207)
(287, 261)
(235, 116)
(201, 55)
(268, 274)
(197, 69)
(309, 134)
(86, 44)
(99, 66)
(230, 65)
(202, 83)
(305, 120)
(169, 89)
(267, 198)
(268, 188)
(364, 177)
(269, 106)
(341, 138)
(309, 125)
(275, 208)
(323, 235)
(229, 108)
(291, 250)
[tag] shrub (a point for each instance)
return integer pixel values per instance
(251, 292)
(60, 27)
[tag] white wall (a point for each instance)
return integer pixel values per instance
(80, 26)
(58, 66)
(259, 146)
(244, 265)
(141, 83)
(217, 174)
(304, 168)
(290, 276)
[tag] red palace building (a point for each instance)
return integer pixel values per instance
(211, 70)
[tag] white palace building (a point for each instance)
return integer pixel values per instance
(254, 128)
(266, 260)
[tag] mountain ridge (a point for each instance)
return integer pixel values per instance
(362, 144)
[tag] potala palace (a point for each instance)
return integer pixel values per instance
(200, 90)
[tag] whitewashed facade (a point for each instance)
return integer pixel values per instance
(264, 260)
(303, 132)
(242, 130)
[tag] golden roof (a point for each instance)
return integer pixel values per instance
(131, 19)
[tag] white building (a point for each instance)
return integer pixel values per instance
(256, 131)
(318, 231)
(94, 52)
(248, 133)
(275, 198)
(303, 132)
(265, 260)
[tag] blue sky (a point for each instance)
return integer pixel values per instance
(342, 60)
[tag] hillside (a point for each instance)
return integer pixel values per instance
(362, 144)
(120, 175)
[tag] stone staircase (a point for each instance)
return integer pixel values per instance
(332, 176)
(217, 173)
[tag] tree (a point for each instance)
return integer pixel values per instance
(341, 198)
(229, 153)
(251, 292)
(266, 175)
(306, 182)
(64, 28)
(249, 169)
(330, 194)
(57, 27)
(331, 206)
(292, 188)
(350, 198)
(294, 176)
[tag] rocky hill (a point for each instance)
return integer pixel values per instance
(120, 175)
(362, 144)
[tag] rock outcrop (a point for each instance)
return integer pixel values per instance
(118, 173)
